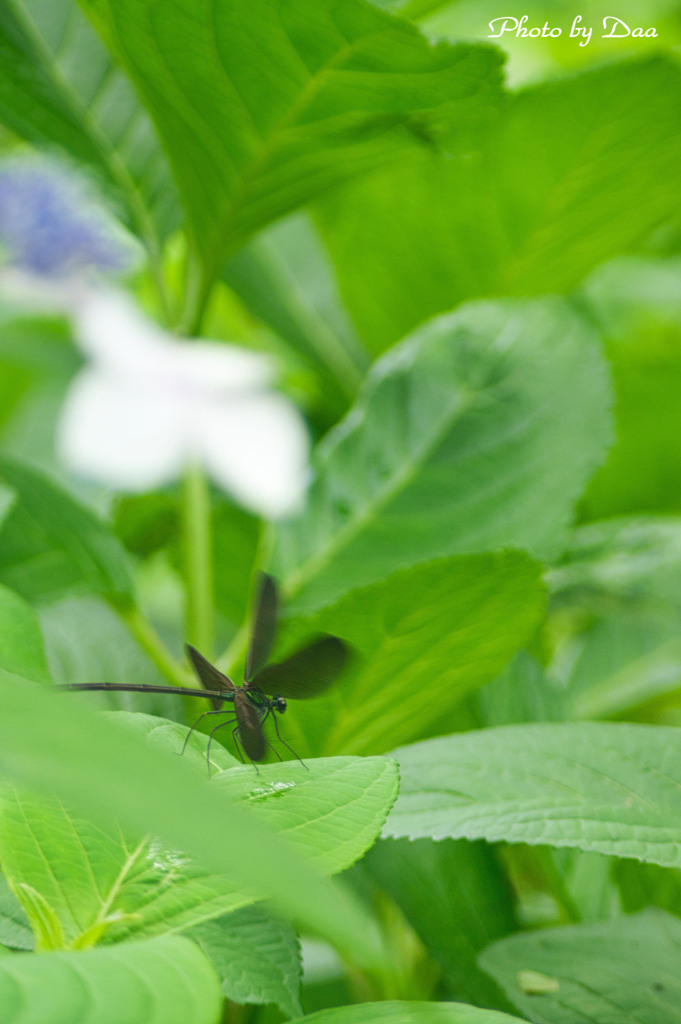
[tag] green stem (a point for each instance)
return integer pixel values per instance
(151, 642)
(198, 560)
(198, 288)
(236, 651)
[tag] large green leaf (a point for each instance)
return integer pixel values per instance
(165, 979)
(52, 546)
(624, 971)
(21, 641)
(574, 172)
(256, 956)
(50, 745)
(608, 788)
(465, 437)
(261, 105)
(58, 86)
(394, 1012)
(427, 636)
(99, 883)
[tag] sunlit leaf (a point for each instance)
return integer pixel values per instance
(166, 979)
(256, 956)
(575, 171)
(103, 884)
(260, 105)
(425, 638)
(50, 745)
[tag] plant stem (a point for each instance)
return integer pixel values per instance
(239, 645)
(198, 571)
(151, 642)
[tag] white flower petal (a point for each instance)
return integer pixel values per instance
(256, 447)
(112, 331)
(129, 438)
(39, 294)
(217, 366)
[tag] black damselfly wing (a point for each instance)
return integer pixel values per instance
(264, 626)
(249, 725)
(307, 673)
(211, 678)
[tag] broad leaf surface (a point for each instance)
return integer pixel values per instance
(624, 971)
(575, 171)
(465, 437)
(256, 956)
(52, 546)
(395, 1012)
(608, 788)
(426, 637)
(165, 979)
(262, 105)
(21, 641)
(52, 747)
(59, 86)
(103, 883)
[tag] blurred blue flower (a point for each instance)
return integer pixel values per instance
(50, 226)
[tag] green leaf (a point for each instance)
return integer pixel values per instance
(52, 546)
(456, 899)
(465, 437)
(395, 1012)
(15, 930)
(58, 86)
(42, 918)
(608, 788)
(21, 640)
(256, 956)
(166, 979)
(427, 636)
(101, 883)
(623, 971)
(574, 172)
(261, 106)
(52, 747)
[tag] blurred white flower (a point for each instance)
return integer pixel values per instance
(147, 405)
